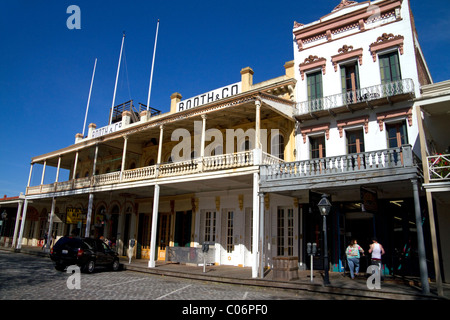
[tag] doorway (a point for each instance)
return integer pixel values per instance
(164, 226)
(183, 222)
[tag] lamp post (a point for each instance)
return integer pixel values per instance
(324, 208)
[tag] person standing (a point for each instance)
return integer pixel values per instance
(377, 250)
(353, 255)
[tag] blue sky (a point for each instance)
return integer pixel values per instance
(46, 69)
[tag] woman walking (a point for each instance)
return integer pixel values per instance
(353, 254)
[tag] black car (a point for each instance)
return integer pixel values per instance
(86, 253)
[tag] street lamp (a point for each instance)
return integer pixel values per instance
(324, 208)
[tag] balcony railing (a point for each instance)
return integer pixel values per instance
(351, 163)
(439, 167)
(363, 95)
(180, 168)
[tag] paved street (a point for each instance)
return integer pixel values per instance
(25, 277)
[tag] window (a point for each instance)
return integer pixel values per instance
(390, 67)
(355, 141)
(277, 146)
(230, 216)
(315, 92)
(355, 144)
(396, 134)
(350, 82)
(396, 137)
(317, 147)
(285, 232)
(210, 227)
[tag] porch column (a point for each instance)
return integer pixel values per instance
(94, 166)
(261, 234)
(122, 168)
(202, 146)
(22, 225)
(16, 226)
(29, 176)
(89, 215)
(151, 261)
(74, 174)
(258, 125)
(256, 214)
(50, 225)
(420, 240)
(161, 131)
(43, 172)
(58, 168)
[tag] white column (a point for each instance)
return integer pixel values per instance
(151, 261)
(256, 214)
(50, 224)
(161, 130)
(94, 166)
(29, 176)
(58, 168)
(16, 226)
(74, 174)
(22, 225)
(122, 168)
(43, 172)
(202, 146)
(258, 125)
(89, 215)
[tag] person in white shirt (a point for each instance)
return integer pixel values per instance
(377, 250)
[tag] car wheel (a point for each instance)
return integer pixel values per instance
(90, 266)
(115, 265)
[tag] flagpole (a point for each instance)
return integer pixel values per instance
(89, 98)
(151, 73)
(117, 76)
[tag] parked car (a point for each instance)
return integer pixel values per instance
(86, 253)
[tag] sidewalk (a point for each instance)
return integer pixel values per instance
(397, 289)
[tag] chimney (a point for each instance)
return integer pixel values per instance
(174, 99)
(289, 67)
(247, 78)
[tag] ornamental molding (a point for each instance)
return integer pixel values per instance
(400, 113)
(352, 122)
(343, 4)
(312, 62)
(346, 53)
(386, 40)
(317, 128)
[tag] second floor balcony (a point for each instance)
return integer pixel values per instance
(387, 93)
(180, 169)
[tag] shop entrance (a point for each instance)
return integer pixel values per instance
(183, 222)
(164, 226)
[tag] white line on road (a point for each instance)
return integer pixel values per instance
(159, 298)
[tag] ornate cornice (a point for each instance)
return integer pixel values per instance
(343, 4)
(345, 53)
(312, 62)
(386, 40)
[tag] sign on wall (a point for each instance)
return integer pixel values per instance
(74, 215)
(209, 97)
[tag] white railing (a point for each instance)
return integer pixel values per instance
(351, 97)
(358, 162)
(213, 163)
(439, 167)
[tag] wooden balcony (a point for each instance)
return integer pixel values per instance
(350, 101)
(176, 169)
